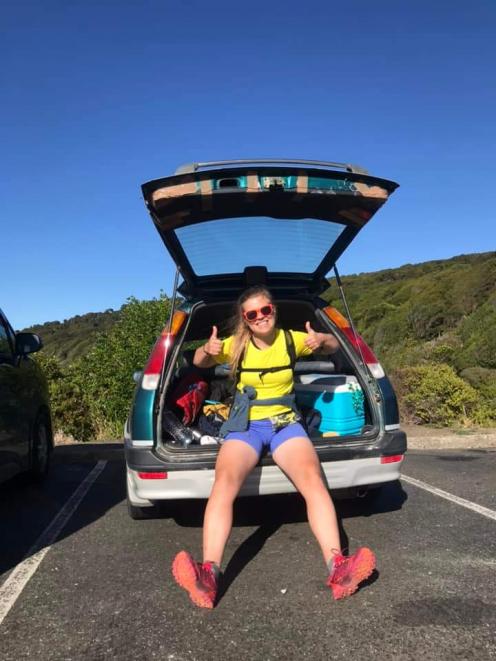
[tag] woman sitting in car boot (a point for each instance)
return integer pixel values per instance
(261, 357)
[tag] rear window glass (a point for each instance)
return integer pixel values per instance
(282, 245)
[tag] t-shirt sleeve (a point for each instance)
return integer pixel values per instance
(299, 342)
(224, 356)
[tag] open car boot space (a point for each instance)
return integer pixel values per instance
(332, 391)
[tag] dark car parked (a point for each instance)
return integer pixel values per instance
(26, 439)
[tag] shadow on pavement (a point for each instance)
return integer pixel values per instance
(245, 553)
(290, 508)
(27, 509)
(388, 498)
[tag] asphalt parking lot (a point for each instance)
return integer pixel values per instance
(97, 585)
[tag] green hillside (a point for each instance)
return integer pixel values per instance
(441, 311)
(72, 338)
(432, 326)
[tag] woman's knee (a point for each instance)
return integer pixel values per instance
(310, 480)
(227, 482)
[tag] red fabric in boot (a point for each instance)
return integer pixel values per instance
(189, 395)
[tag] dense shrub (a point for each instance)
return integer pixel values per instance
(480, 378)
(441, 353)
(106, 373)
(71, 412)
(478, 333)
(435, 394)
(484, 380)
(90, 398)
(387, 332)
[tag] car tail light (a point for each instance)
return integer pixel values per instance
(357, 341)
(392, 459)
(153, 369)
(160, 475)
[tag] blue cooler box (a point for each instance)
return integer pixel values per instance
(338, 399)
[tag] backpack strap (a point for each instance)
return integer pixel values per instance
(290, 348)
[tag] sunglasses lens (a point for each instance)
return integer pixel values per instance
(265, 311)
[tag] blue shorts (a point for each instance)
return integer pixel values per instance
(263, 433)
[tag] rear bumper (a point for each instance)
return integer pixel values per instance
(344, 467)
(263, 480)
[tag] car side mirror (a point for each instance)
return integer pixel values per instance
(27, 343)
(137, 376)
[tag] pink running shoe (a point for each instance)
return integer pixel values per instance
(349, 572)
(199, 579)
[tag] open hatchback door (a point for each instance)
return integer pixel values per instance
(290, 219)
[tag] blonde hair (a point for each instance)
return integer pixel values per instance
(240, 331)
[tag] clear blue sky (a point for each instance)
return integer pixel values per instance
(100, 96)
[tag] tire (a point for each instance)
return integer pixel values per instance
(138, 513)
(41, 448)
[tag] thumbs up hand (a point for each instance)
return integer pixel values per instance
(314, 340)
(213, 346)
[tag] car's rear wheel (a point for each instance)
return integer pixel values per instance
(40, 449)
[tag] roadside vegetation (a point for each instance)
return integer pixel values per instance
(91, 395)
(432, 326)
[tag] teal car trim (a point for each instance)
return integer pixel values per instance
(142, 417)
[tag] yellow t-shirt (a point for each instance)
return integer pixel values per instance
(273, 384)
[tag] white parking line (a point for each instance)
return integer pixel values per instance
(20, 576)
(485, 511)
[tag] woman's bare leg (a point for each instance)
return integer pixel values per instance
(298, 459)
(235, 461)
